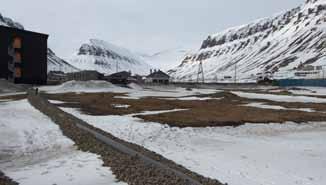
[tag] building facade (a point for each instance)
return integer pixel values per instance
(158, 77)
(86, 75)
(122, 77)
(23, 56)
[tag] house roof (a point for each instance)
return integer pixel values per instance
(158, 74)
(23, 31)
(123, 74)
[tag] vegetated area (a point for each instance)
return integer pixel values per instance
(13, 97)
(219, 109)
(251, 133)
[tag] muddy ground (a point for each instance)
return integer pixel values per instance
(226, 109)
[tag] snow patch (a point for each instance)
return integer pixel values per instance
(34, 151)
(280, 98)
(252, 154)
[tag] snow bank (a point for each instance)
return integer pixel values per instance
(192, 98)
(252, 154)
(135, 86)
(120, 106)
(25, 131)
(134, 92)
(72, 168)
(80, 86)
(315, 91)
(12, 94)
(34, 151)
(280, 98)
(276, 107)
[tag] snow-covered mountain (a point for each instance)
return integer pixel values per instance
(57, 64)
(5, 21)
(279, 44)
(166, 59)
(107, 58)
(54, 62)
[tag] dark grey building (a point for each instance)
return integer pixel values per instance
(23, 56)
(84, 76)
(122, 77)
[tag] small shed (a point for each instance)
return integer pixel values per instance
(158, 77)
(122, 77)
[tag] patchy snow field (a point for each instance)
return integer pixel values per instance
(33, 151)
(280, 98)
(133, 92)
(12, 94)
(270, 154)
(192, 98)
(275, 107)
(315, 91)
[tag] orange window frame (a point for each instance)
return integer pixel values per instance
(17, 43)
(18, 72)
(18, 57)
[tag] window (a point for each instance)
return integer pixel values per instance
(17, 43)
(18, 73)
(18, 57)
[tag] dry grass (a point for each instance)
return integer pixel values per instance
(14, 97)
(228, 111)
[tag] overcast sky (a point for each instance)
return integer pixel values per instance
(146, 26)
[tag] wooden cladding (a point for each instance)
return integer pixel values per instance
(17, 43)
(18, 72)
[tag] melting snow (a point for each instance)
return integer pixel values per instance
(34, 151)
(133, 92)
(280, 98)
(252, 154)
(276, 107)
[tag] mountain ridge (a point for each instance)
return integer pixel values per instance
(279, 44)
(105, 57)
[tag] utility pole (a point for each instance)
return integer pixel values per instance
(200, 74)
(235, 73)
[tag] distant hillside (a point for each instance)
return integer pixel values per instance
(57, 64)
(278, 44)
(104, 57)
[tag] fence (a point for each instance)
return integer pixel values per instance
(302, 82)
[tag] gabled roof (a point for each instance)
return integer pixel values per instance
(158, 74)
(122, 74)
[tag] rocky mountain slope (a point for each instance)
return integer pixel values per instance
(54, 62)
(279, 45)
(107, 58)
(57, 64)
